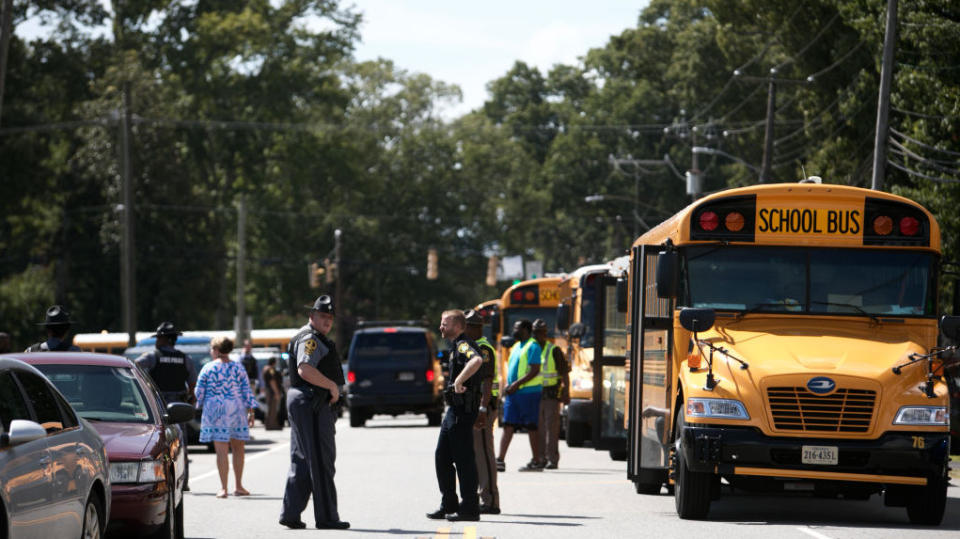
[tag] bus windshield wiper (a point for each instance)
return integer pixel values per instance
(757, 307)
(852, 306)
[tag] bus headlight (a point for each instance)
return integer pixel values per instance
(718, 408)
(922, 415)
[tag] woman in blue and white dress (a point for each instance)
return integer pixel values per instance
(223, 392)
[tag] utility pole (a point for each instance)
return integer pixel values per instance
(768, 132)
(338, 306)
(241, 329)
(6, 28)
(127, 269)
(883, 102)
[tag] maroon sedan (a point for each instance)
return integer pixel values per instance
(140, 433)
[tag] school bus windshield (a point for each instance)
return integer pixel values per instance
(548, 314)
(588, 310)
(810, 280)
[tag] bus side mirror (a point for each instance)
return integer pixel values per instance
(668, 274)
(950, 327)
(697, 320)
(563, 316)
(577, 330)
(622, 295)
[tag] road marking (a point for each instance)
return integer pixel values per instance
(443, 532)
(470, 532)
(246, 459)
(813, 533)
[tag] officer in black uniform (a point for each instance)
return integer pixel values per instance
(175, 376)
(455, 443)
(315, 379)
(57, 324)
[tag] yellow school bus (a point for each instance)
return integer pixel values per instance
(785, 337)
(490, 311)
(530, 299)
(116, 343)
(592, 334)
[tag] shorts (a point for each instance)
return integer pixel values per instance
(522, 410)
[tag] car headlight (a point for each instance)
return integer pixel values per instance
(922, 415)
(718, 408)
(145, 471)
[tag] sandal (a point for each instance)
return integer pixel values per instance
(222, 493)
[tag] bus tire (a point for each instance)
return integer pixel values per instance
(649, 489)
(434, 419)
(576, 434)
(925, 506)
(357, 418)
(618, 454)
(692, 491)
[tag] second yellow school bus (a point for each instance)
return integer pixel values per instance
(785, 337)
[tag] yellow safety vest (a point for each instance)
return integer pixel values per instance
(495, 388)
(548, 367)
(524, 367)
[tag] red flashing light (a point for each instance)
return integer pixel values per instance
(734, 221)
(389, 330)
(709, 221)
(430, 376)
(516, 295)
(530, 296)
(351, 377)
(909, 226)
(882, 225)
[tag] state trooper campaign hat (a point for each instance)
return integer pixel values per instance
(56, 316)
(324, 304)
(167, 329)
(473, 318)
(539, 324)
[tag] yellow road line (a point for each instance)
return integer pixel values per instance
(442, 533)
(470, 532)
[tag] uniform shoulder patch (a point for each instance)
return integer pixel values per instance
(485, 352)
(310, 346)
(463, 348)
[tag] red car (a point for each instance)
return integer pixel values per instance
(141, 435)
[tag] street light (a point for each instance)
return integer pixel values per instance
(714, 151)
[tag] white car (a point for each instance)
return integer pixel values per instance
(54, 475)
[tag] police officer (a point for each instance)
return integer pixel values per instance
(315, 379)
(483, 430)
(455, 443)
(175, 376)
(57, 323)
(556, 391)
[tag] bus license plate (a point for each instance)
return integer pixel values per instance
(405, 376)
(819, 454)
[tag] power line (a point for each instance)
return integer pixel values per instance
(920, 174)
(921, 144)
(810, 43)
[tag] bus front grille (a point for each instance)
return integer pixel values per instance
(844, 410)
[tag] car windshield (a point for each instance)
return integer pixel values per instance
(100, 393)
(548, 314)
(383, 347)
(811, 281)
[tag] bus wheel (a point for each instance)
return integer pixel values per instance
(692, 491)
(618, 454)
(925, 506)
(357, 418)
(576, 434)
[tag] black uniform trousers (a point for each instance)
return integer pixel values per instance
(455, 449)
(313, 451)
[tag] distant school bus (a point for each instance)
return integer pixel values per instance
(592, 333)
(116, 343)
(531, 299)
(490, 311)
(784, 337)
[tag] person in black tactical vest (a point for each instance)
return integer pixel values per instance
(316, 376)
(454, 457)
(175, 376)
(57, 324)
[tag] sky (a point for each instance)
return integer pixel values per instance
(472, 43)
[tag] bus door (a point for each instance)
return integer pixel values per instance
(651, 376)
(609, 370)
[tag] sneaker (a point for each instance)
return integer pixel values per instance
(501, 466)
(531, 466)
(551, 466)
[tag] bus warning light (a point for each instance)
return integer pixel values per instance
(909, 226)
(709, 221)
(882, 225)
(734, 221)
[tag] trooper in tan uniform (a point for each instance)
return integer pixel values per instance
(483, 429)
(556, 392)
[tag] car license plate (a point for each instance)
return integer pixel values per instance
(405, 376)
(819, 454)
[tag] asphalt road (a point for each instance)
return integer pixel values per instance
(386, 483)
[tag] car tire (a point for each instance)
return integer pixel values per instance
(168, 530)
(926, 504)
(357, 417)
(178, 530)
(92, 518)
(434, 418)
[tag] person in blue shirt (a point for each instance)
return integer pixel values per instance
(521, 408)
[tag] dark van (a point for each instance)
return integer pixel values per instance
(393, 369)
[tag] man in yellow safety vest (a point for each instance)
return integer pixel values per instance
(521, 406)
(483, 429)
(556, 391)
